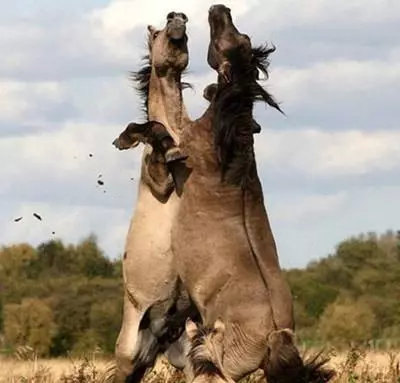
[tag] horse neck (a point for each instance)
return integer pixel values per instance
(165, 103)
(234, 131)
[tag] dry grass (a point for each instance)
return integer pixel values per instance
(367, 367)
(354, 366)
(26, 367)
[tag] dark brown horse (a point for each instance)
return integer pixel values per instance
(222, 242)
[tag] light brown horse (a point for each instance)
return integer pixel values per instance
(154, 302)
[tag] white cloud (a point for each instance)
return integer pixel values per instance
(308, 207)
(114, 24)
(22, 102)
(334, 79)
(122, 16)
(65, 49)
(278, 14)
(329, 154)
(316, 233)
(52, 174)
(54, 164)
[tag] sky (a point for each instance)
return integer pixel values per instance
(330, 168)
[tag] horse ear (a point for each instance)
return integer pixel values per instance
(151, 29)
(256, 127)
(219, 326)
(210, 91)
(219, 331)
(191, 329)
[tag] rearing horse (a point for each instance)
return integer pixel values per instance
(222, 242)
(154, 302)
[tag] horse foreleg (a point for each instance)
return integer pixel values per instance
(136, 348)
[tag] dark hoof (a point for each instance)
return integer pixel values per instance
(174, 154)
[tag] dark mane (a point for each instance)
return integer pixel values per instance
(200, 362)
(261, 57)
(233, 113)
(141, 78)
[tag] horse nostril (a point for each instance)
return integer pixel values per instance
(171, 15)
(220, 7)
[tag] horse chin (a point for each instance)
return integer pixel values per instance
(176, 31)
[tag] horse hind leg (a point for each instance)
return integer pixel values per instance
(285, 365)
(283, 362)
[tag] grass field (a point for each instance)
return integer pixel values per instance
(353, 366)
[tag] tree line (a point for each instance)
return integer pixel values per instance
(67, 299)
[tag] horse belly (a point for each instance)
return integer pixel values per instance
(147, 264)
(210, 251)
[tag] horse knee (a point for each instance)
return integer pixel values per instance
(124, 354)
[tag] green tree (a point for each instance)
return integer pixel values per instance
(311, 293)
(347, 320)
(89, 342)
(30, 323)
(15, 261)
(72, 309)
(105, 320)
(83, 289)
(53, 259)
(1, 315)
(91, 260)
(398, 245)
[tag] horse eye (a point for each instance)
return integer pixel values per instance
(156, 34)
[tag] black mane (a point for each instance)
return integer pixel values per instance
(233, 113)
(141, 78)
(261, 57)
